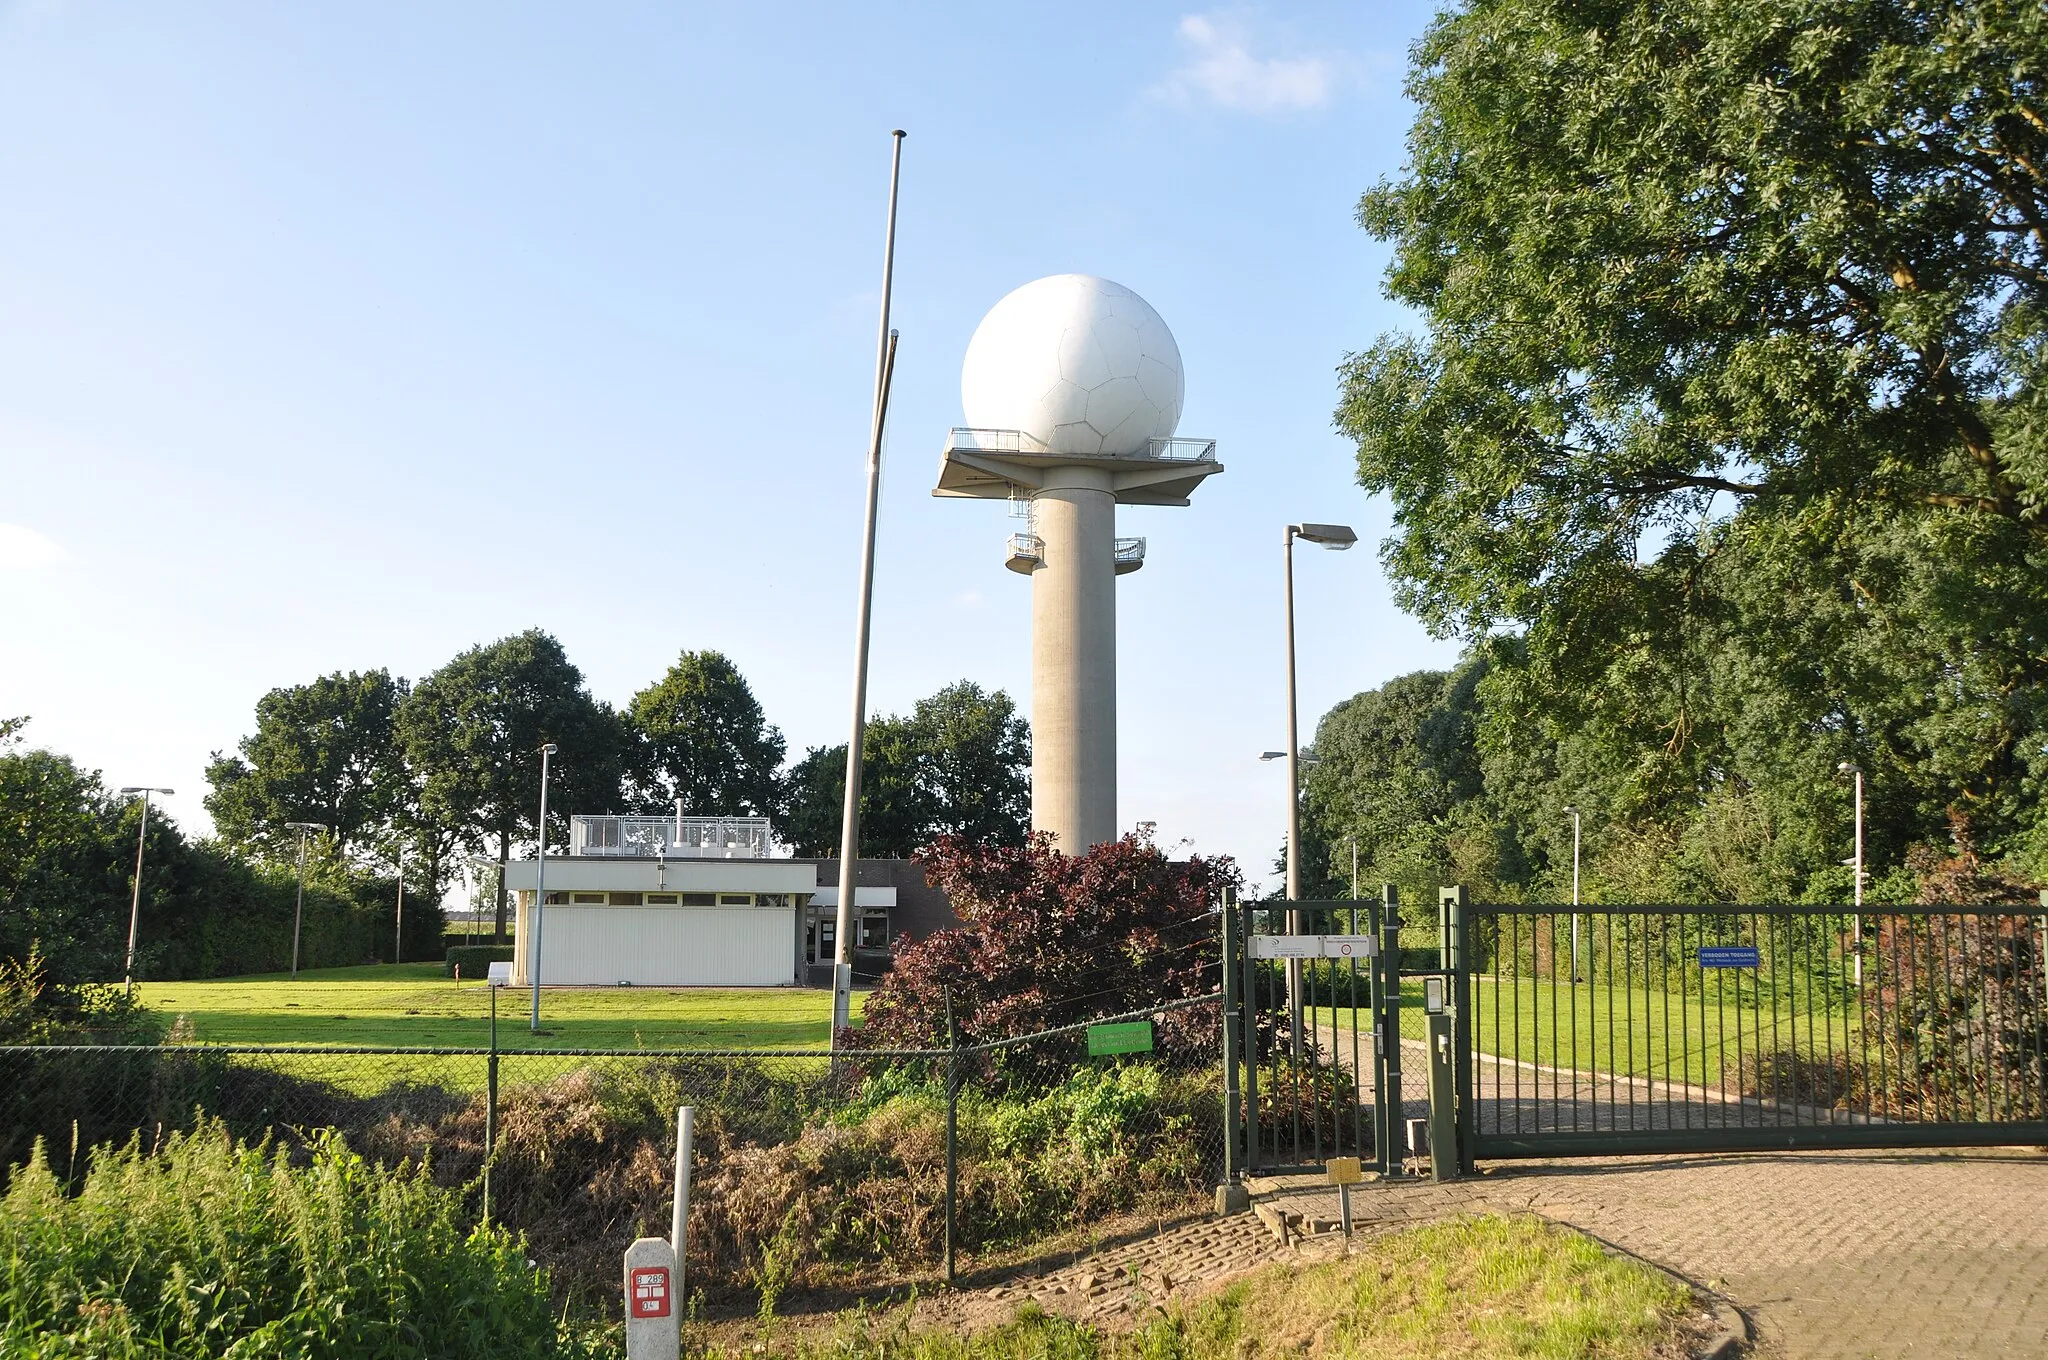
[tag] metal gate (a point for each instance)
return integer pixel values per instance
(1307, 1062)
(1614, 1029)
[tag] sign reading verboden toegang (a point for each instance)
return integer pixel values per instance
(1729, 956)
(1315, 946)
(653, 1316)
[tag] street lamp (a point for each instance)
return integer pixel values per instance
(299, 907)
(1850, 767)
(1337, 537)
(398, 925)
(540, 887)
(135, 903)
(1575, 891)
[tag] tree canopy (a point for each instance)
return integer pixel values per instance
(473, 729)
(1723, 439)
(704, 739)
(323, 752)
(957, 765)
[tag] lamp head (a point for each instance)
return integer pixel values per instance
(1272, 755)
(549, 749)
(1570, 810)
(1848, 767)
(148, 788)
(1337, 536)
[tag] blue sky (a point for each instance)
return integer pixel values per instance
(352, 336)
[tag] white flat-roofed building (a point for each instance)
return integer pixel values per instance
(665, 902)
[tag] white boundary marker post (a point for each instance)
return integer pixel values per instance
(653, 1315)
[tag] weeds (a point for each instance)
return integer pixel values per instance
(214, 1247)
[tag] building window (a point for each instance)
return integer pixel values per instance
(735, 899)
(874, 930)
(626, 899)
(661, 899)
(556, 899)
(700, 899)
(771, 899)
(587, 899)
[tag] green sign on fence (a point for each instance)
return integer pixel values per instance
(1135, 1037)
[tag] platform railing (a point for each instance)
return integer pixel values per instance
(675, 837)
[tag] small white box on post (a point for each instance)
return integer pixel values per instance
(653, 1309)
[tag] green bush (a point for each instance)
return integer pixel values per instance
(476, 959)
(214, 1247)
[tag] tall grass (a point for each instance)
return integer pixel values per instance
(214, 1247)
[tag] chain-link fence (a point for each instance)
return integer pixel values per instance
(811, 1169)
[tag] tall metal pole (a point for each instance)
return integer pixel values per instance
(1577, 973)
(135, 903)
(1859, 878)
(540, 890)
(849, 826)
(1293, 751)
(299, 906)
(398, 926)
(1294, 1018)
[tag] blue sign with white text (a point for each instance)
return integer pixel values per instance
(1728, 956)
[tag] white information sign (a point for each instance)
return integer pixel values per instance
(501, 975)
(1315, 946)
(1287, 946)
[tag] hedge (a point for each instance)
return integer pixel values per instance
(475, 959)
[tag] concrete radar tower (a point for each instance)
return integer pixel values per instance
(1072, 389)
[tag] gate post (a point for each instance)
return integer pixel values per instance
(1456, 906)
(1387, 1090)
(1233, 1001)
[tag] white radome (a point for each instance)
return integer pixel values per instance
(1083, 365)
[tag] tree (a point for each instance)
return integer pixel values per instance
(704, 740)
(1049, 939)
(63, 891)
(958, 764)
(1724, 436)
(323, 752)
(472, 730)
(1397, 770)
(1672, 257)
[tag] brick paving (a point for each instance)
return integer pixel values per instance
(1834, 1256)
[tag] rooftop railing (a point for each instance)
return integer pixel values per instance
(670, 837)
(1174, 450)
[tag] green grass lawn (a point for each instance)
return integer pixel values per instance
(1656, 1034)
(413, 1005)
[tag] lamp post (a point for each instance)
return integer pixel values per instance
(1337, 537)
(540, 888)
(1851, 768)
(1575, 892)
(299, 906)
(398, 925)
(135, 903)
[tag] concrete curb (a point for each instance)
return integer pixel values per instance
(1733, 1333)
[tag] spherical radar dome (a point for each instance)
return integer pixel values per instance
(1081, 364)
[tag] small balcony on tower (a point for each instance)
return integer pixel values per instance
(1025, 553)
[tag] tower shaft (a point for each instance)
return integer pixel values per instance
(1073, 660)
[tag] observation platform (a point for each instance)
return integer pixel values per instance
(997, 464)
